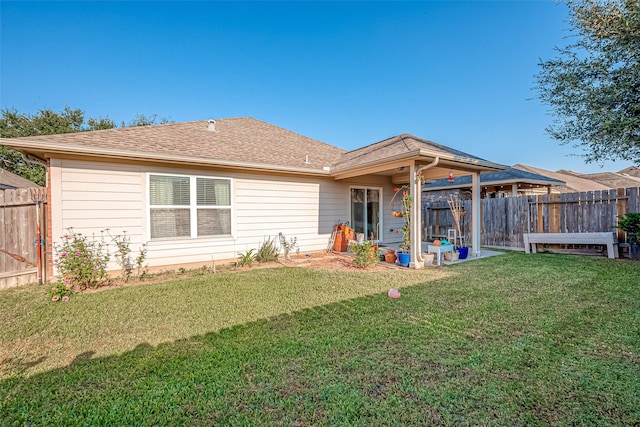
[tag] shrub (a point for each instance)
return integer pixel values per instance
(365, 254)
(288, 245)
(82, 262)
(142, 256)
(246, 259)
(60, 292)
(268, 251)
(123, 249)
(123, 256)
(630, 222)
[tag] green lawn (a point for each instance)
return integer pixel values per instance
(510, 340)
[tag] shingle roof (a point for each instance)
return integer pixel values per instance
(510, 175)
(403, 146)
(10, 180)
(239, 141)
(573, 183)
(613, 179)
(631, 170)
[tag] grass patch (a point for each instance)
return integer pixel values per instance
(509, 340)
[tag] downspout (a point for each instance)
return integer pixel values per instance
(416, 224)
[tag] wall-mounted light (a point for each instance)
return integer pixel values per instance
(450, 176)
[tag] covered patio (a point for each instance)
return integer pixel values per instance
(484, 253)
(409, 160)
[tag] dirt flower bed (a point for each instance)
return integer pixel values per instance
(330, 261)
(315, 260)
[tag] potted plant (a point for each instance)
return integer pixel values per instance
(630, 223)
(390, 256)
(457, 211)
(404, 254)
(366, 253)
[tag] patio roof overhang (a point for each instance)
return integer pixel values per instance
(511, 179)
(395, 166)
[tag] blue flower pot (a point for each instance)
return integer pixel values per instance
(463, 253)
(404, 259)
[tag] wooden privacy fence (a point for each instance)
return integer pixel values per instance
(504, 221)
(21, 211)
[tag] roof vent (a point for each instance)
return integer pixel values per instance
(211, 127)
(306, 160)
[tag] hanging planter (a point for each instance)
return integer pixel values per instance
(397, 214)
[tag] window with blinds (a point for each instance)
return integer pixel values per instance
(189, 207)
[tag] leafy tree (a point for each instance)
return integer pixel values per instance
(100, 123)
(593, 85)
(14, 124)
(47, 122)
(142, 120)
(13, 161)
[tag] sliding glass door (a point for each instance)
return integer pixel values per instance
(366, 212)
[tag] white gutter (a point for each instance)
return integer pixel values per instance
(66, 149)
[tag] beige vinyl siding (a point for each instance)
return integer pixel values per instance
(94, 196)
(268, 206)
(263, 206)
(389, 222)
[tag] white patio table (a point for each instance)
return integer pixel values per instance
(439, 251)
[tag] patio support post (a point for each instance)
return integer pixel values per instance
(415, 191)
(475, 214)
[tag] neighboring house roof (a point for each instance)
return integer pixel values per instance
(505, 177)
(573, 183)
(236, 142)
(631, 171)
(407, 146)
(612, 179)
(11, 181)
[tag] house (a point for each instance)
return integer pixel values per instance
(573, 182)
(611, 180)
(508, 182)
(11, 181)
(633, 171)
(206, 190)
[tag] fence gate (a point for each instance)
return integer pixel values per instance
(22, 220)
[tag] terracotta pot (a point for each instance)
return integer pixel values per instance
(390, 257)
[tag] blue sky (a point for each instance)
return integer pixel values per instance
(346, 73)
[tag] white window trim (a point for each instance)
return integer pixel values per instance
(381, 208)
(193, 207)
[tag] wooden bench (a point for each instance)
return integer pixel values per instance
(605, 238)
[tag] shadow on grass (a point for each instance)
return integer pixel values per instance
(485, 347)
(201, 379)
